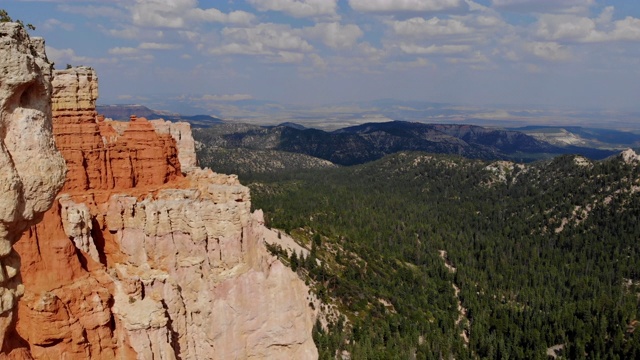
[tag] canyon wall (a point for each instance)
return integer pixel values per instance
(144, 257)
(31, 169)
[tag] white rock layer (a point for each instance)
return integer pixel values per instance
(31, 169)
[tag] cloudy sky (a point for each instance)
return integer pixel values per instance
(568, 53)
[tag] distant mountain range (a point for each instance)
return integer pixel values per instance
(582, 136)
(371, 141)
(124, 112)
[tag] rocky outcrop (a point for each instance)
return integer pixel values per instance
(137, 260)
(96, 157)
(31, 169)
(181, 132)
(629, 156)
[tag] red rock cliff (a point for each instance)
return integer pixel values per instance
(31, 169)
(96, 157)
(137, 260)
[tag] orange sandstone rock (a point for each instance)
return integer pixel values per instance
(97, 158)
(31, 169)
(135, 260)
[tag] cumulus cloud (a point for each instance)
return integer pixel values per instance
(262, 39)
(391, 6)
(157, 46)
(123, 51)
(408, 65)
(566, 27)
(574, 28)
(132, 32)
(419, 27)
(93, 11)
(568, 6)
(550, 51)
(51, 24)
(181, 13)
(298, 8)
(626, 29)
(434, 49)
(335, 35)
(69, 56)
(476, 57)
(288, 57)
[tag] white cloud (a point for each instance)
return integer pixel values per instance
(434, 49)
(51, 24)
(566, 27)
(318, 61)
(92, 11)
(288, 57)
(262, 39)
(391, 6)
(298, 8)
(566, 6)
(475, 58)
(419, 27)
(69, 56)
(123, 51)
(157, 46)
(191, 36)
(574, 28)
(335, 35)
(626, 29)
(606, 16)
(132, 32)
(181, 14)
(408, 65)
(551, 51)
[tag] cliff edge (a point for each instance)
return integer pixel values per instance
(31, 169)
(140, 256)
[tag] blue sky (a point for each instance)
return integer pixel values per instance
(565, 53)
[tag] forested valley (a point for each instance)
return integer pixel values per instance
(437, 256)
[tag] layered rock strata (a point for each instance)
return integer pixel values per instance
(136, 260)
(31, 169)
(179, 131)
(97, 158)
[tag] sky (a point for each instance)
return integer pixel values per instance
(579, 54)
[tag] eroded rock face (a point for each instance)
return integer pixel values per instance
(181, 132)
(137, 260)
(31, 169)
(96, 156)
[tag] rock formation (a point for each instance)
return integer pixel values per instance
(96, 157)
(181, 132)
(31, 169)
(136, 259)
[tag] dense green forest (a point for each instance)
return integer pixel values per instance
(545, 255)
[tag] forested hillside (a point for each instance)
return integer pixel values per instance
(435, 256)
(372, 141)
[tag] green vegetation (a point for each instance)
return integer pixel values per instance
(4, 17)
(546, 254)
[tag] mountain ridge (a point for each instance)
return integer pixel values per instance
(123, 112)
(371, 141)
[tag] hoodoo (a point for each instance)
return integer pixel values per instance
(142, 255)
